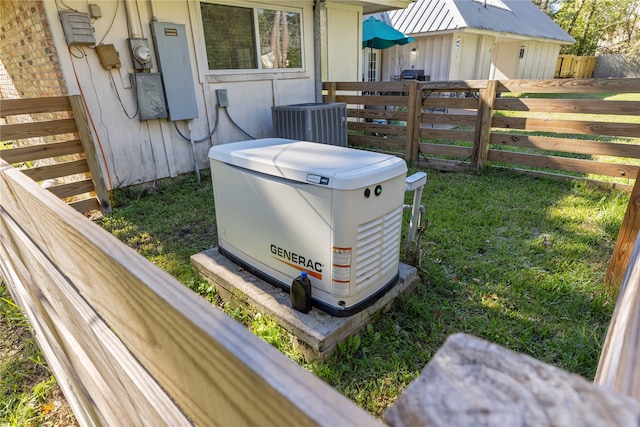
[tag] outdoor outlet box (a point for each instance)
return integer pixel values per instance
(109, 56)
(223, 101)
(77, 28)
(94, 11)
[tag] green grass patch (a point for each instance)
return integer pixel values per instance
(516, 260)
(28, 392)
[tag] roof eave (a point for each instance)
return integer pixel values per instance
(376, 6)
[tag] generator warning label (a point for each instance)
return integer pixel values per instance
(341, 271)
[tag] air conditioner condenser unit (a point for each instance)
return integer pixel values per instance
(285, 206)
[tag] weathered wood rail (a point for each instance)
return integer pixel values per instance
(130, 345)
(51, 140)
(514, 123)
(619, 367)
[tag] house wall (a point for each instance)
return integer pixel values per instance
(342, 46)
(28, 57)
(472, 56)
(138, 151)
(433, 55)
(505, 64)
(539, 60)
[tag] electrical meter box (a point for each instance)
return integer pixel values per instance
(285, 206)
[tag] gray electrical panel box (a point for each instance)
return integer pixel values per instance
(174, 63)
(77, 28)
(151, 102)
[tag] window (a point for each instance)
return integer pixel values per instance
(240, 38)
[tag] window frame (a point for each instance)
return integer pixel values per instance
(293, 72)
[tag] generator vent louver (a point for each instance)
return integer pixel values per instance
(378, 247)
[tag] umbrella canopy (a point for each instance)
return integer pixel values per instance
(378, 35)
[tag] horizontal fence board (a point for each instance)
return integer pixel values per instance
(377, 141)
(564, 163)
(377, 128)
(38, 129)
(373, 86)
(453, 85)
(567, 145)
(377, 114)
(18, 280)
(458, 103)
(11, 107)
(86, 205)
(450, 135)
(571, 106)
(216, 370)
(57, 170)
(72, 188)
(448, 119)
(41, 151)
(398, 101)
(101, 362)
(631, 130)
(444, 165)
(571, 86)
(443, 105)
(72, 122)
(618, 367)
(446, 150)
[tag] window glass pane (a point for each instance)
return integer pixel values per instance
(280, 39)
(229, 37)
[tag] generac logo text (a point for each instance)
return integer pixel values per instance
(296, 260)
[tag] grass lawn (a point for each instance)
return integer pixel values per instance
(513, 259)
(517, 260)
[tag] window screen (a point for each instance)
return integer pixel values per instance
(233, 43)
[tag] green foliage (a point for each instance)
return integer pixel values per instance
(606, 26)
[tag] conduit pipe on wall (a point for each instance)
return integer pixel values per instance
(154, 17)
(133, 19)
(319, 10)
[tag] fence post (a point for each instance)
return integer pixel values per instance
(414, 111)
(626, 238)
(80, 117)
(486, 100)
(331, 92)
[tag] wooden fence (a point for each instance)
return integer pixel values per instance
(130, 345)
(51, 141)
(619, 368)
(544, 125)
(575, 67)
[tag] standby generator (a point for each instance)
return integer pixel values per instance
(285, 206)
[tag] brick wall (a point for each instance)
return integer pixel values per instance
(29, 61)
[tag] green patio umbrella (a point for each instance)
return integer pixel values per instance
(378, 35)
